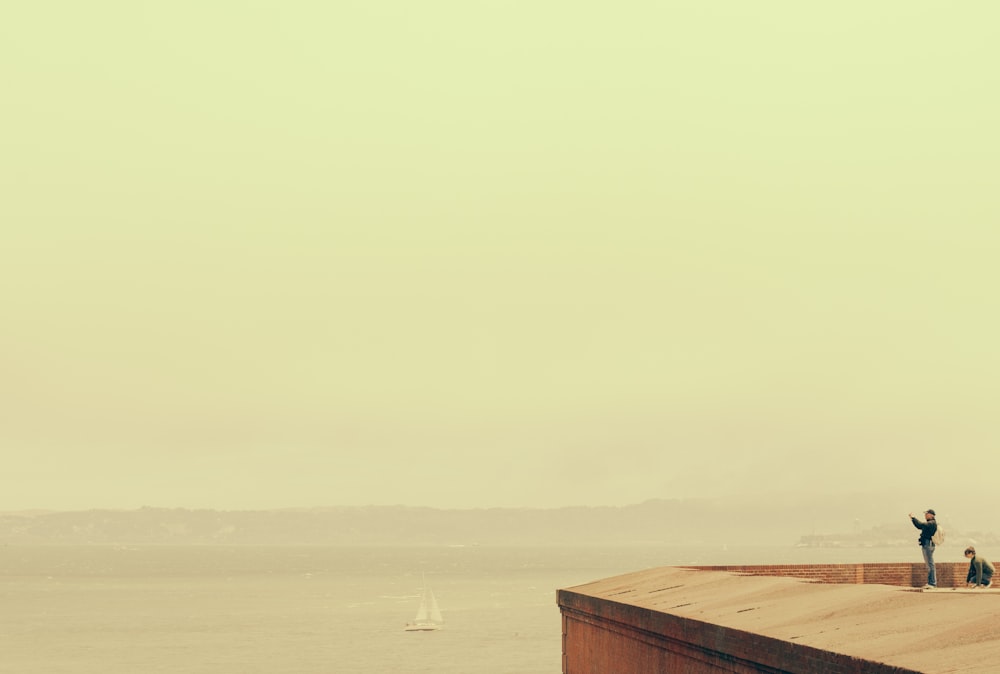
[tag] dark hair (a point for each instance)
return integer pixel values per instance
(970, 550)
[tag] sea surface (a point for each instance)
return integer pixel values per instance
(306, 610)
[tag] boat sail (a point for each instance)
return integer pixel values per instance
(429, 616)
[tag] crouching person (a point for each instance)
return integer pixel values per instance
(980, 570)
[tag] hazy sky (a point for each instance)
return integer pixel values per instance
(471, 253)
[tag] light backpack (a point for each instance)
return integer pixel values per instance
(938, 537)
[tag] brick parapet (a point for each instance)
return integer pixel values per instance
(903, 574)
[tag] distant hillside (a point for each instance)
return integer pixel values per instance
(780, 520)
(677, 522)
(371, 525)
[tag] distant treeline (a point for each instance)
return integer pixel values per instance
(666, 521)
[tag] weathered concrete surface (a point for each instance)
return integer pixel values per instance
(933, 632)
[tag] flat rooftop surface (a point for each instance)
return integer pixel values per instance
(936, 631)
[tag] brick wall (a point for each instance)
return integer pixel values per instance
(949, 574)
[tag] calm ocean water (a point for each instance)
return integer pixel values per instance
(244, 610)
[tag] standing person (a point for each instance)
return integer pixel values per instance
(927, 530)
(980, 570)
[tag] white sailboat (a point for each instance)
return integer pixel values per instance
(429, 616)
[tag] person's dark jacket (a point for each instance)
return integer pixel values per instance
(980, 571)
(927, 529)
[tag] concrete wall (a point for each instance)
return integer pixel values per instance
(601, 637)
(605, 635)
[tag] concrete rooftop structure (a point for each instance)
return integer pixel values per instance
(639, 622)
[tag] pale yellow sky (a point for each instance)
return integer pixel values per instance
(462, 254)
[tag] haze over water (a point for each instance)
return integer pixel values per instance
(483, 254)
